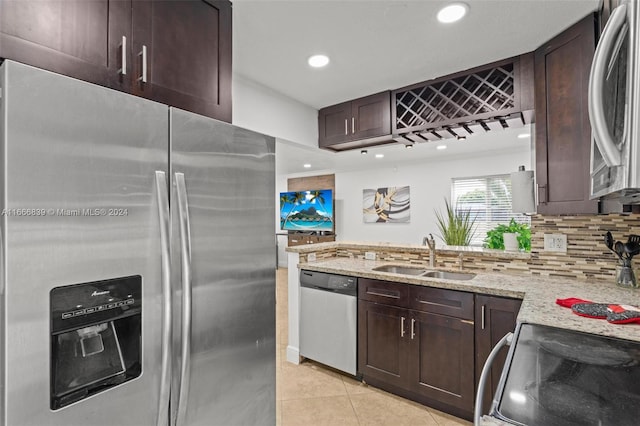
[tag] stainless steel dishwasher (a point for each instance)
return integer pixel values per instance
(329, 319)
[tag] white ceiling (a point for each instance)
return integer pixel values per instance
(377, 45)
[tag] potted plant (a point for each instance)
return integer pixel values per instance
(495, 237)
(456, 225)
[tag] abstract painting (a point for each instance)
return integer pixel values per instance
(386, 205)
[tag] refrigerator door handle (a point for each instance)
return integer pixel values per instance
(185, 248)
(165, 378)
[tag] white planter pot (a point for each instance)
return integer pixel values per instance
(510, 241)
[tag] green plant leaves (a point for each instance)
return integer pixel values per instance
(456, 225)
(495, 240)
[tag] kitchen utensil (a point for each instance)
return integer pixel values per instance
(618, 248)
(631, 249)
(608, 240)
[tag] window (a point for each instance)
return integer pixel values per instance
(489, 200)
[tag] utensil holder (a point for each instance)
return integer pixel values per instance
(625, 277)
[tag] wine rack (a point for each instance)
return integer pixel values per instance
(473, 101)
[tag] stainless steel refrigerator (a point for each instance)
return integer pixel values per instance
(137, 281)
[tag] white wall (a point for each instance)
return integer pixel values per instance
(259, 108)
(429, 182)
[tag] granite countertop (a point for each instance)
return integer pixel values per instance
(538, 294)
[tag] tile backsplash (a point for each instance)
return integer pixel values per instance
(586, 257)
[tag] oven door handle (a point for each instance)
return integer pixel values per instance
(603, 139)
(477, 412)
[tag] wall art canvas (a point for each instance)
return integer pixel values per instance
(386, 205)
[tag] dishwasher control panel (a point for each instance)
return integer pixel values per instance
(329, 282)
(342, 282)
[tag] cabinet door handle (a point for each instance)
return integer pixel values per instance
(143, 74)
(346, 127)
(542, 194)
(413, 333)
(353, 125)
(401, 326)
(123, 56)
(482, 317)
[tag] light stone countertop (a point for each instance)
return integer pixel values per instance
(538, 293)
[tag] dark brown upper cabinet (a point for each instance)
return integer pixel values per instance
(78, 38)
(177, 52)
(182, 54)
(490, 97)
(563, 131)
(355, 124)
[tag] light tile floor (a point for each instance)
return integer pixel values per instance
(310, 394)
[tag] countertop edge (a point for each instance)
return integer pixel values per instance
(538, 294)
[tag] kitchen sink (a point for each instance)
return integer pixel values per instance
(460, 276)
(397, 269)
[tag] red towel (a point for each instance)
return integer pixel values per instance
(613, 313)
(567, 303)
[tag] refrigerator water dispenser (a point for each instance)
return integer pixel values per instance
(95, 337)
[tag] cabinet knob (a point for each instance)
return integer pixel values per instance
(401, 326)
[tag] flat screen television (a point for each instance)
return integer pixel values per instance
(307, 210)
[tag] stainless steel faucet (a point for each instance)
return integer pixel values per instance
(431, 242)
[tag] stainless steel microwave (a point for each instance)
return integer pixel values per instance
(614, 107)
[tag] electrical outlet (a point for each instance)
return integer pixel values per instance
(555, 242)
(311, 257)
(370, 255)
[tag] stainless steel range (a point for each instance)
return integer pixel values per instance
(558, 377)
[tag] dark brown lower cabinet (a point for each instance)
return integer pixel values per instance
(441, 360)
(424, 356)
(495, 317)
(383, 345)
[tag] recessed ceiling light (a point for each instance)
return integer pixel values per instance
(318, 61)
(379, 155)
(409, 146)
(452, 13)
(306, 166)
(524, 135)
(364, 152)
(461, 138)
(441, 147)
